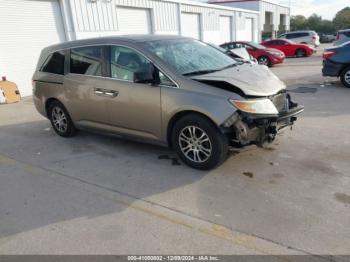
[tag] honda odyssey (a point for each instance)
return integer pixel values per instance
(171, 90)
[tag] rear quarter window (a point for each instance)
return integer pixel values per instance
(54, 63)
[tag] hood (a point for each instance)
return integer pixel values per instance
(251, 79)
(241, 52)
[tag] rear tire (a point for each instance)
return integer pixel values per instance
(198, 142)
(300, 52)
(60, 120)
(345, 77)
(264, 60)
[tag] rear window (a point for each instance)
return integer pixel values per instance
(86, 60)
(54, 63)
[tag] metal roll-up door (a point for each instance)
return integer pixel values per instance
(27, 26)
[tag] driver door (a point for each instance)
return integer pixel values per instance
(132, 108)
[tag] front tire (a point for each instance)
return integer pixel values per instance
(345, 77)
(60, 120)
(264, 60)
(199, 143)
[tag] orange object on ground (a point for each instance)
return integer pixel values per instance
(10, 91)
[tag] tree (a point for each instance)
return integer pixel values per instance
(314, 22)
(342, 19)
(327, 27)
(297, 22)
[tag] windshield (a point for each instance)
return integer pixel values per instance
(257, 46)
(190, 57)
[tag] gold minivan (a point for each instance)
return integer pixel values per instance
(171, 90)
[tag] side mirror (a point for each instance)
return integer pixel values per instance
(146, 76)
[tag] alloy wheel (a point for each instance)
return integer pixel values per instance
(263, 60)
(59, 119)
(195, 144)
(347, 77)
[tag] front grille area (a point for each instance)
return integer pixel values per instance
(280, 101)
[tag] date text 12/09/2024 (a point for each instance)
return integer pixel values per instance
(173, 258)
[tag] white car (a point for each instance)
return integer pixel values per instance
(303, 37)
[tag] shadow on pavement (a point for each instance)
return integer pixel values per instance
(32, 197)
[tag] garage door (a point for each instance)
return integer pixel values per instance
(26, 27)
(225, 29)
(248, 33)
(190, 25)
(134, 20)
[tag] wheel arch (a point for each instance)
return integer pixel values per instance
(300, 48)
(48, 102)
(344, 67)
(176, 117)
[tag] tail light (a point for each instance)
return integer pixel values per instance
(337, 37)
(328, 54)
(314, 37)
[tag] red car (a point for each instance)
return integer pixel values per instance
(290, 48)
(265, 56)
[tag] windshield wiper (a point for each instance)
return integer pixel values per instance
(201, 72)
(231, 65)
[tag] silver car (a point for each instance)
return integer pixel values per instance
(174, 91)
(303, 37)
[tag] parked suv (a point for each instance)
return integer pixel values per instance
(336, 62)
(342, 36)
(172, 90)
(303, 37)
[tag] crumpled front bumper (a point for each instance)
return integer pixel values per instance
(259, 129)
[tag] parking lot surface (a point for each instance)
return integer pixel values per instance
(95, 194)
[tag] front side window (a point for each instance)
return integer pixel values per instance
(125, 62)
(189, 56)
(86, 60)
(54, 63)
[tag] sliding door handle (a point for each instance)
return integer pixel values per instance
(99, 92)
(106, 93)
(111, 93)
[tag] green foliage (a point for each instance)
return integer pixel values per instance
(297, 22)
(316, 23)
(342, 19)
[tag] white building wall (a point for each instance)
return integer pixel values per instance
(240, 24)
(85, 18)
(262, 6)
(251, 5)
(277, 10)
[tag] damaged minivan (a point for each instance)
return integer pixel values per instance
(170, 90)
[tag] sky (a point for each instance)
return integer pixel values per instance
(325, 8)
